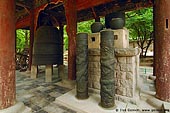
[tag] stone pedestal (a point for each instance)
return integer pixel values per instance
(126, 67)
(34, 71)
(94, 60)
(94, 40)
(121, 38)
(61, 71)
(48, 73)
(126, 72)
(94, 70)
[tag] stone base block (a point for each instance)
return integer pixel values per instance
(155, 102)
(48, 73)
(124, 99)
(19, 107)
(94, 40)
(166, 107)
(67, 83)
(121, 38)
(34, 71)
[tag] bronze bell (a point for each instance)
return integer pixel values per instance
(47, 48)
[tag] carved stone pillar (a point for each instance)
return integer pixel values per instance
(107, 90)
(82, 65)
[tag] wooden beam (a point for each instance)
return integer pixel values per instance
(27, 8)
(128, 7)
(22, 5)
(96, 17)
(81, 4)
(24, 22)
(84, 4)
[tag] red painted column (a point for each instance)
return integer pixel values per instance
(7, 53)
(162, 49)
(32, 29)
(71, 17)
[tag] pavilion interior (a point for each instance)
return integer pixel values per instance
(59, 96)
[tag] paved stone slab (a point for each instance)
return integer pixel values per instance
(37, 94)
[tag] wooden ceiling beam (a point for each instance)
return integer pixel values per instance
(22, 5)
(27, 8)
(84, 4)
(115, 7)
(23, 23)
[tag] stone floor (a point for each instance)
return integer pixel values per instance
(54, 98)
(39, 95)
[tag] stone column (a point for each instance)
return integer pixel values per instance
(7, 54)
(82, 65)
(107, 90)
(162, 49)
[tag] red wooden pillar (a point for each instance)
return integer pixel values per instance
(32, 29)
(7, 53)
(71, 17)
(162, 49)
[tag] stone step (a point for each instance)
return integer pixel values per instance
(149, 81)
(145, 94)
(152, 77)
(166, 107)
(27, 110)
(19, 107)
(155, 102)
(152, 87)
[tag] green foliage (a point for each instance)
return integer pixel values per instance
(65, 39)
(21, 39)
(140, 23)
(81, 27)
(84, 26)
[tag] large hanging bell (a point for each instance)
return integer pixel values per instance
(47, 48)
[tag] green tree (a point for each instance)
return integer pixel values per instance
(81, 27)
(140, 26)
(21, 39)
(84, 26)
